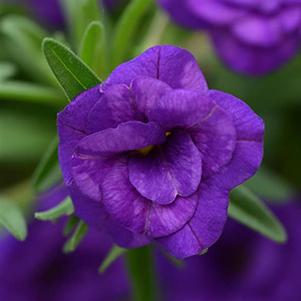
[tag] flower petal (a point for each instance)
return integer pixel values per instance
(205, 227)
(138, 214)
(95, 215)
(148, 91)
(114, 107)
(158, 62)
(180, 108)
(258, 31)
(88, 174)
(215, 138)
(215, 12)
(175, 169)
(248, 153)
(127, 136)
(72, 127)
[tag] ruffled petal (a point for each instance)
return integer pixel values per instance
(147, 92)
(158, 62)
(175, 169)
(72, 127)
(248, 153)
(88, 174)
(258, 31)
(138, 214)
(114, 107)
(127, 136)
(95, 215)
(215, 138)
(205, 227)
(215, 13)
(180, 108)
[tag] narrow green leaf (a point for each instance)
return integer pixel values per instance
(76, 238)
(48, 172)
(141, 269)
(127, 27)
(79, 14)
(28, 92)
(12, 219)
(62, 209)
(247, 209)
(93, 48)
(23, 40)
(70, 224)
(270, 186)
(73, 75)
(113, 255)
(7, 70)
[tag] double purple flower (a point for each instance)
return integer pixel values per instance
(251, 36)
(152, 153)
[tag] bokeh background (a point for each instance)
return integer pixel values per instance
(243, 265)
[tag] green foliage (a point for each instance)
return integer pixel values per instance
(93, 48)
(23, 40)
(62, 209)
(29, 92)
(113, 255)
(80, 13)
(48, 172)
(126, 29)
(73, 75)
(76, 238)
(247, 209)
(12, 219)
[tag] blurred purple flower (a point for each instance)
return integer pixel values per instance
(151, 154)
(38, 270)
(243, 266)
(251, 36)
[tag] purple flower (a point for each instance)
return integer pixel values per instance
(38, 270)
(251, 36)
(242, 266)
(152, 153)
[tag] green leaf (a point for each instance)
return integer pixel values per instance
(79, 14)
(73, 75)
(12, 219)
(127, 27)
(28, 92)
(93, 48)
(62, 209)
(247, 209)
(141, 269)
(7, 70)
(23, 40)
(76, 238)
(48, 172)
(270, 186)
(113, 255)
(70, 224)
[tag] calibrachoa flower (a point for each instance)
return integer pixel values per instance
(152, 153)
(251, 36)
(242, 266)
(37, 270)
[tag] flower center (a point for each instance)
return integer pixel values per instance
(146, 150)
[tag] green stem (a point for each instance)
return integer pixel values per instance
(141, 268)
